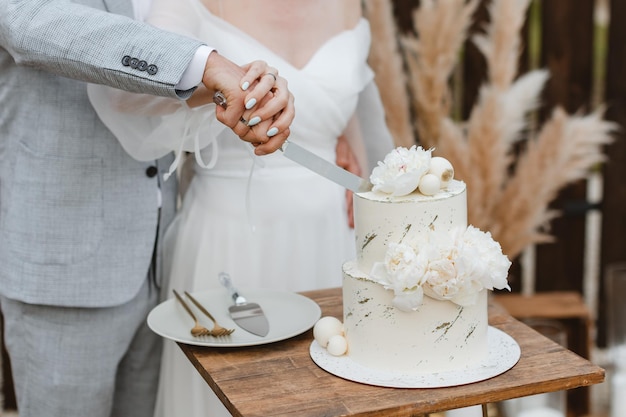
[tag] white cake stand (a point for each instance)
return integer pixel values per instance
(504, 352)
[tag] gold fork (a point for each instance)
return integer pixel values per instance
(217, 329)
(197, 330)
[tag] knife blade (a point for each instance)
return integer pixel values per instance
(325, 168)
(248, 316)
(314, 162)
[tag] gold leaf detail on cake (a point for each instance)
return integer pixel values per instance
(406, 231)
(431, 226)
(389, 312)
(443, 326)
(471, 331)
(448, 325)
(368, 239)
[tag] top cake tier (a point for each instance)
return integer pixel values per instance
(381, 219)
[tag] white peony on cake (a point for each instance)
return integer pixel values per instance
(415, 297)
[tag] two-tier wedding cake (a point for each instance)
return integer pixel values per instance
(415, 297)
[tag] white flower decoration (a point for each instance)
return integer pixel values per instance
(453, 266)
(403, 271)
(401, 171)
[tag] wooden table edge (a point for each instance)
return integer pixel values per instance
(499, 318)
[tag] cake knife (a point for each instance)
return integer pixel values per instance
(314, 162)
(248, 316)
(325, 168)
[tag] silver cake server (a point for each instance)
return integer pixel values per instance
(248, 316)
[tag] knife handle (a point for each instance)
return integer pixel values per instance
(228, 283)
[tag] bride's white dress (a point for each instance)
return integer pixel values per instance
(267, 221)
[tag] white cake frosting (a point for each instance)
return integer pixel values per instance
(415, 297)
(440, 336)
(380, 219)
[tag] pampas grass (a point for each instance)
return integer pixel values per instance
(563, 151)
(386, 61)
(490, 124)
(508, 194)
(500, 44)
(431, 58)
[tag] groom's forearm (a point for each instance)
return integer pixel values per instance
(87, 44)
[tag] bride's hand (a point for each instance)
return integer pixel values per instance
(269, 107)
(264, 99)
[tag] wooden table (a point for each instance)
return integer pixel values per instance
(568, 308)
(280, 379)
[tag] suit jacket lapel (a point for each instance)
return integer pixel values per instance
(123, 7)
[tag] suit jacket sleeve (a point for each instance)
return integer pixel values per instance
(83, 43)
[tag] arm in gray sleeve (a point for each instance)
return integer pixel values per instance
(84, 43)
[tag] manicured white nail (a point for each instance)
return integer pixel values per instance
(245, 85)
(272, 132)
(254, 121)
(250, 104)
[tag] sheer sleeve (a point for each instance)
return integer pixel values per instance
(376, 137)
(159, 128)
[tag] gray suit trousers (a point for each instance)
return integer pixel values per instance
(87, 362)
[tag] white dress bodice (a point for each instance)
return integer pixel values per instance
(326, 88)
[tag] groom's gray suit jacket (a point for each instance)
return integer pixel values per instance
(78, 216)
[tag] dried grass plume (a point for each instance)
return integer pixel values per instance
(508, 193)
(386, 61)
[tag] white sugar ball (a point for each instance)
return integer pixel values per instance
(325, 328)
(429, 184)
(442, 168)
(337, 345)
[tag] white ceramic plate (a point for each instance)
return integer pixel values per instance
(504, 352)
(289, 314)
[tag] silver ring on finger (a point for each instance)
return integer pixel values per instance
(244, 121)
(273, 75)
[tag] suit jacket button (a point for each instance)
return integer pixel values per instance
(126, 61)
(151, 171)
(142, 65)
(152, 69)
(134, 62)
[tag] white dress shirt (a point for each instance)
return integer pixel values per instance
(193, 75)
